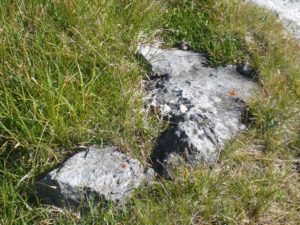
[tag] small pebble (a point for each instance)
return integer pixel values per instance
(183, 109)
(246, 70)
(165, 109)
(182, 45)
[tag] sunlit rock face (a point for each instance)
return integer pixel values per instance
(93, 175)
(287, 10)
(205, 105)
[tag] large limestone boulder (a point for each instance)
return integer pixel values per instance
(205, 105)
(93, 174)
(287, 10)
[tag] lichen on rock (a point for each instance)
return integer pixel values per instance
(205, 105)
(94, 174)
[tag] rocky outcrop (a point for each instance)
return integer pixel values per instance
(205, 105)
(287, 10)
(91, 175)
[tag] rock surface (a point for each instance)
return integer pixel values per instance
(205, 105)
(287, 10)
(93, 174)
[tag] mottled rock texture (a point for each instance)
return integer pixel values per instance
(93, 174)
(205, 105)
(287, 10)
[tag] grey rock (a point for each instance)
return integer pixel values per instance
(287, 10)
(205, 104)
(246, 70)
(183, 45)
(92, 175)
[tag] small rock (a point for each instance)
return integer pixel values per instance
(93, 174)
(183, 109)
(165, 109)
(183, 45)
(246, 70)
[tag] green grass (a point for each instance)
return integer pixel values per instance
(70, 77)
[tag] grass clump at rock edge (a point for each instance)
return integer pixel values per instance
(70, 77)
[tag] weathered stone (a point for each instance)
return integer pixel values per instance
(93, 174)
(183, 45)
(287, 10)
(206, 105)
(246, 70)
